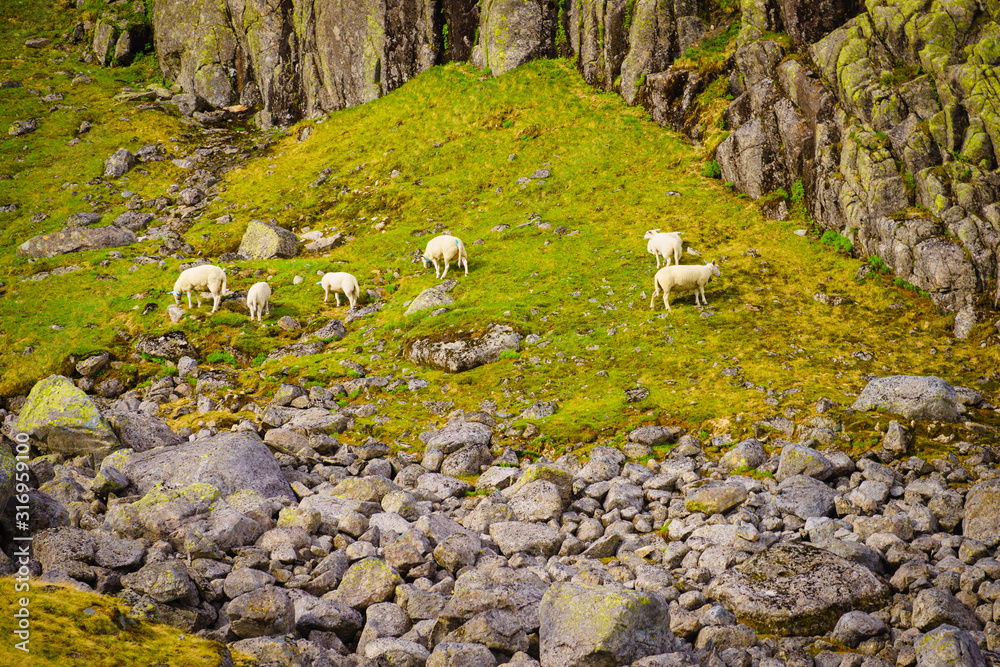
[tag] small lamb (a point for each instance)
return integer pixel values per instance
(446, 248)
(259, 300)
(198, 278)
(664, 244)
(340, 282)
(683, 278)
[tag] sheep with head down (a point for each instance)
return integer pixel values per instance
(664, 244)
(197, 278)
(447, 249)
(686, 277)
(340, 283)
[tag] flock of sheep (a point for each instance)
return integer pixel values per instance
(449, 249)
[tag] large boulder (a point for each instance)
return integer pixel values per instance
(230, 462)
(530, 538)
(429, 298)
(119, 163)
(164, 581)
(140, 431)
(456, 435)
(584, 625)
(264, 611)
(73, 240)
(933, 607)
(460, 352)
(264, 240)
(367, 582)
(982, 512)
(948, 646)
(61, 419)
(796, 589)
(195, 519)
(105, 36)
(913, 397)
(173, 345)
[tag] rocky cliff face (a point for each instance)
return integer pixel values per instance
(886, 122)
(303, 58)
(300, 58)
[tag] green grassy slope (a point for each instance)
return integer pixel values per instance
(445, 152)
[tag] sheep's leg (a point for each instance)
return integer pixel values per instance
(215, 302)
(326, 294)
(656, 293)
(336, 295)
(189, 300)
(445, 268)
(437, 270)
(657, 256)
(704, 301)
(666, 297)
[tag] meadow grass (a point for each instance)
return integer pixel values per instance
(71, 628)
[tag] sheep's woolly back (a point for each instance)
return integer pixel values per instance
(204, 277)
(664, 244)
(259, 294)
(686, 277)
(444, 247)
(258, 298)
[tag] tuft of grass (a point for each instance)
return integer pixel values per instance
(220, 357)
(841, 244)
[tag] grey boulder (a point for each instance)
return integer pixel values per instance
(460, 352)
(913, 397)
(230, 462)
(796, 589)
(584, 625)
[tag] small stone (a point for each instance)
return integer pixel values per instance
(289, 323)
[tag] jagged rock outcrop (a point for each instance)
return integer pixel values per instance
(888, 112)
(297, 58)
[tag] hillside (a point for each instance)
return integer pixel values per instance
(551, 177)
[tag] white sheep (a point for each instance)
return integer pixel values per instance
(664, 244)
(683, 278)
(259, 300)
(198, 278)
(447, 248)
(340, 282)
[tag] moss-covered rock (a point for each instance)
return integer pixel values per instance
(264, 240)
(105, 37)
(60, 418)
(583, 625)
(367, 582)
(796, 589)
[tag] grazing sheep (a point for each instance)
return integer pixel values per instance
(259, 300)
(664, 244)
(446, 248)
(197, 278)
(683, 278)
(340, 282)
